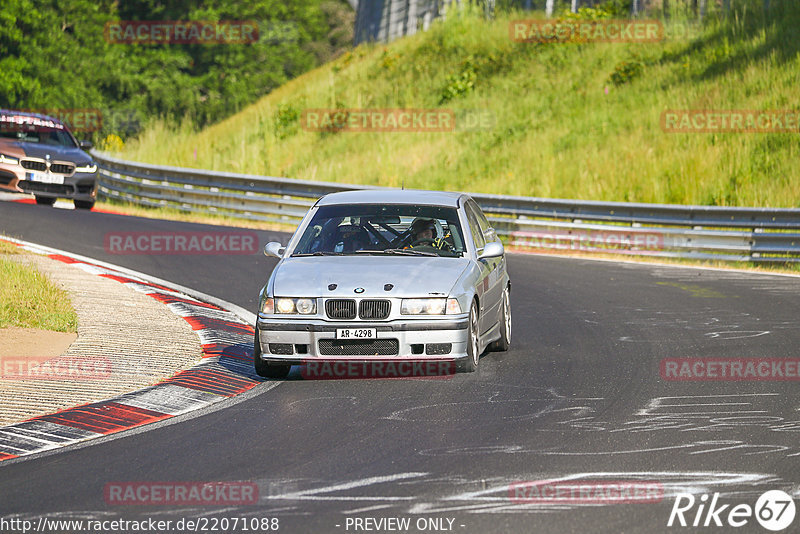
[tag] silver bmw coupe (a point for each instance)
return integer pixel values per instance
(385, 276)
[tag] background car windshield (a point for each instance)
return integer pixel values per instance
(382, 229)
(32, 133)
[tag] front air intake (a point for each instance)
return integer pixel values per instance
(340, 308)
(374, 309)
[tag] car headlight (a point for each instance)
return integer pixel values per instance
(284, 305)
(8, 159)
(436, 306)
(92, 167)
(268, 306)
(303, 306)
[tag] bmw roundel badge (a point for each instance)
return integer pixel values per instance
(359, 290)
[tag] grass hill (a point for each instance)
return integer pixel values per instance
(575, 120)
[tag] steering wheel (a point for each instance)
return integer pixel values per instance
(423, 241)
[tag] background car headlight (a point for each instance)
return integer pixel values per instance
(8, 159)
(423, 306)
(303, 306)
(87, 168)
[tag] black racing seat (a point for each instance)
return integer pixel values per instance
(352, 237)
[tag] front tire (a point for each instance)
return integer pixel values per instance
(504, 342)
(470, 365)
(83, 204)
(264, 369)
(45, 201)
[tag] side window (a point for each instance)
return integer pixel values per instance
(486, 229)
(475, 228)
(484, 224)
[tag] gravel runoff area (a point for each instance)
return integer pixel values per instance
(126, 341)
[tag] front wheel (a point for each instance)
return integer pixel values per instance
(83, 204)
(45, 201)
(504, 342)
(264, 369)
(470, 365)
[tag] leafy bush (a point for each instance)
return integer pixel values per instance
(388, 61)
(459, 84)
(112, 143)
(626, 71)
(285, 120)
(612, 9)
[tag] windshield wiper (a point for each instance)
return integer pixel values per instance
(409, 252)
(365, 251)
(317, 253)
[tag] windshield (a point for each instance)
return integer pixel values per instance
(28, 129)
(393, 229)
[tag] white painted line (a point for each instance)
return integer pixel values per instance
(314, 493)
(169, 399)
(366, 509)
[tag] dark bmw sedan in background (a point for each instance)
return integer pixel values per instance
(40, 156)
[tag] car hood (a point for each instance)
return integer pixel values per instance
(35, 150)
(411, 276)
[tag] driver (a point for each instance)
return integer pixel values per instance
(424, 233)
(423, 228)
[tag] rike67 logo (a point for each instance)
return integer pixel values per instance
(774, 510)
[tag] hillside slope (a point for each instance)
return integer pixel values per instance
(562, 126)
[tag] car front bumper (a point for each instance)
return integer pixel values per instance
(79, 186)
(298, 341)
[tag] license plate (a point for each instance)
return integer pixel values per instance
(45, 178)
(355, 333)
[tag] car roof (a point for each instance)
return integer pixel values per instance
(19, 113)
(393, 196)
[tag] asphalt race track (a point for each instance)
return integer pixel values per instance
(579, 395)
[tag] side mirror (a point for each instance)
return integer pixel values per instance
(85, 144)
(492, 250)
(274, 249)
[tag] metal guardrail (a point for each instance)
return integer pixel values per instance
(665, 230)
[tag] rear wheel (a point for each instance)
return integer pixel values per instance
(267, 370)
(470, 364)
(504, 342)
(45, 201)
(83, 204)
